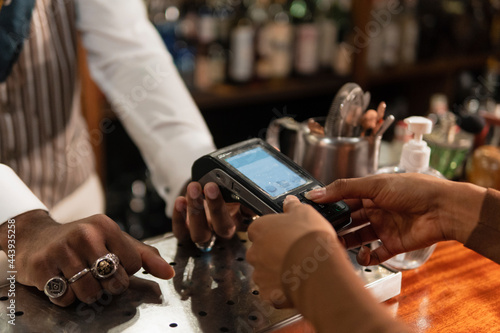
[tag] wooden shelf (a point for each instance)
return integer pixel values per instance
(227, 96)
(436, 67)
(259, 92)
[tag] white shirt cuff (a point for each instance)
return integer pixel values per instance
(15, 197)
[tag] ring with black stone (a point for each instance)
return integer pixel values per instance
(55, 287)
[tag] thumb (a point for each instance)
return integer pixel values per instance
(291, 203)
(153, 263)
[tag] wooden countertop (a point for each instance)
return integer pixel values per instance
(457, 290)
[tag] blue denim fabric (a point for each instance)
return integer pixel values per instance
(15, 21)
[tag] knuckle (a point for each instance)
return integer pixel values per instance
(339, 185)
(226, 233)
(104, 223)
(41, 264)
(134, 266)
(84, 234)
(216, 210)
(154, 250)
(118, 284)
(196, 209)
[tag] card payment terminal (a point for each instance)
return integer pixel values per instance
(257, 175)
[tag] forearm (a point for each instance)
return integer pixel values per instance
(459, 209)
(485, 238)
(323, 286)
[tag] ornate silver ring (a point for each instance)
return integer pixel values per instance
(55, 287)
(78, 275)
(105, 266)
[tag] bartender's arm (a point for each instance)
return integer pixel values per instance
(131, 65)
(40, 248)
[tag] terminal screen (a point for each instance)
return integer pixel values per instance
(267, 172)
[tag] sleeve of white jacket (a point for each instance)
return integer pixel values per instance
(130, 63)
(15, 197)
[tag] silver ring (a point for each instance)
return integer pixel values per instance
(78, 275)
(206, 246)
(105, 266)
(55, 287)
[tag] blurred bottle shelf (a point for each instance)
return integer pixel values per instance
(226, 95)
(436, 67)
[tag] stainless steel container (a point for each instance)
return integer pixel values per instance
(326, 158)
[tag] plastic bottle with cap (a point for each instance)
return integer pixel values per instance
(415, 157)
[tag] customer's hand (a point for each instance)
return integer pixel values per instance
(272, 238)
(45, 249)
(298, 261)
(199, 219)
(406, 211)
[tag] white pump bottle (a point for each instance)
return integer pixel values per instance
(414, 158)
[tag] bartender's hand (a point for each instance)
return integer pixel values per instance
(199, 219)
(406, 211)
(45, 249)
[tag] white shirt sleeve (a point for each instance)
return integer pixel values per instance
(130, 63)
(15, 197)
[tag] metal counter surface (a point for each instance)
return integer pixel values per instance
(211, 292)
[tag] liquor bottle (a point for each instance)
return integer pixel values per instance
(391, 32)
(328, 33)
(258, 14)
(279, 37)
(206, 32)
(409, 33)
(223, 13)
(241, 52)
(217, 62)
(274, 40)
(164, 14)
(186, 42)
(343, 60)
(306, 36)
(373, 38)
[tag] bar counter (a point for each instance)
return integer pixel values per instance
(457, 290)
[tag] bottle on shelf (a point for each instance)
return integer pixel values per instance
(184, 48)
(206, 32)
(344, 57)
(241, 47)
(409, 33)
(306, 36)
(414, 158)
(258, 12)
(328, 34)
(274, 44)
